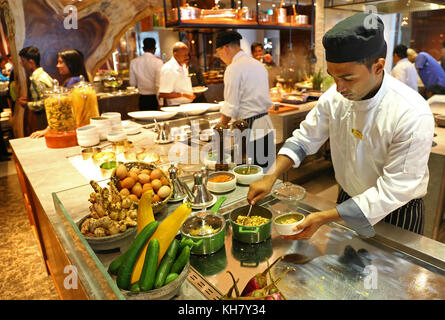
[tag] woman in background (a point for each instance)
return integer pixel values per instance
(71, 66)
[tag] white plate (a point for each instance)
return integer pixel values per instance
(190, 109)
(150, 115)
(200, 89)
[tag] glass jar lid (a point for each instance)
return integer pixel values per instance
(55, 89)
(289, 192)
(82, 83)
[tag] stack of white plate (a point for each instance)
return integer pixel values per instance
(87, 136)
(115, 118)
(103, 126)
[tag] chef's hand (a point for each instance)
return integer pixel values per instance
(259, 189)
(189, 95)
(312, 222)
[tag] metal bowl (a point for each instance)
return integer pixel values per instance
(120, 240)
(163, 293)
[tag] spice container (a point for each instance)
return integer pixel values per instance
(85, 104)
(59, 113)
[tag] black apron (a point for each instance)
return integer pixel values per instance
(410, 217)
(261, 143)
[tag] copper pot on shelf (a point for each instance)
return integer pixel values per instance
(280, 15)
(299, 19)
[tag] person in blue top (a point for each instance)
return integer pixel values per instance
(71, 66)
(431, 73)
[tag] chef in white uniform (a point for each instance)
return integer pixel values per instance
(247, 97)
(380, 134)
(175, 84)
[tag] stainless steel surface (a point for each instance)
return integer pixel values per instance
(248, 214)
(395, 272)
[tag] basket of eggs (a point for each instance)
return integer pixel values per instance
(132, 179)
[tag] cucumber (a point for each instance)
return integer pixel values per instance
(171, 277)
(126, 268)
(135, 287)
(181, 260)
(114, 266)
(166, 263)
(148, 273)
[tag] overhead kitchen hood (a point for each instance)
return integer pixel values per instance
(386, 6)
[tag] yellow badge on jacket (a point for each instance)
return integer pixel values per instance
(357, 133)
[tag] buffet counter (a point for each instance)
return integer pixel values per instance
(56, 194)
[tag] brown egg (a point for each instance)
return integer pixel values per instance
(134, 175)
(128, 183)
(125, 192)
(146, 187)
(146, 171)
(164, 192)
(121, 171)
(156, 198)
(144, 178)
(156, 174)
(137, 189)
(164, 181)
(133, 197)
(156, 184)
(135, 170)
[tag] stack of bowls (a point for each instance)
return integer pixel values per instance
(103, 126)
(115, 118)
(87, 136)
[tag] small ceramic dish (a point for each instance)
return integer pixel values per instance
(215, 186)
(285, 223)
(243, 176)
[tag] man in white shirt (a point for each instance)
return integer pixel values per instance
(380, 135)
(404, 70)
(145, 74)
(176, 85)
(247, 97)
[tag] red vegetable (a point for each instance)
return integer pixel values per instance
(259, 281)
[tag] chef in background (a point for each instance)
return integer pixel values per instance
(175, 84)
(246, 96)
(404, 70)
(380, 134)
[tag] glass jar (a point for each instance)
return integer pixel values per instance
(59, 109)
(85, 104)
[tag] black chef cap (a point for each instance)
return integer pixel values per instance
(225, 37)
(354, 39)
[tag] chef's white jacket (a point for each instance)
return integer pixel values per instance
(175, 78)
(246, 93)
(406, 72)
(145, 73)
(379, 148)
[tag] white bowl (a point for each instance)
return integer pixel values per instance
(88, 141)
(150, 115)
(287, 229)
(248, 178)
(87, 131)
(221, 187)
(100, 121)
